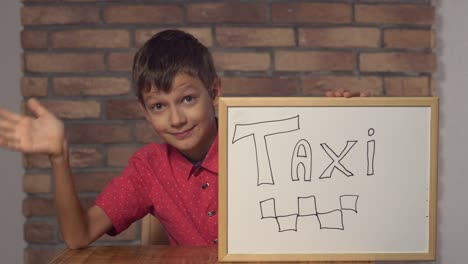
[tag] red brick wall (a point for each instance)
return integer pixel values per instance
(78, 53)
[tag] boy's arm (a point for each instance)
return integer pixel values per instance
(79, 228)
(45, 134)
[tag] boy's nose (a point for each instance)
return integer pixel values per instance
(177, 118)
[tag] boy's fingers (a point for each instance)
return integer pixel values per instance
(6, 125)
(36, 107)
(9, 116)
(8, 136)
(348, 94)
(338, 94)
(9, 142)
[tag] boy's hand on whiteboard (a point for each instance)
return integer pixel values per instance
(346, 93)
(43, 133)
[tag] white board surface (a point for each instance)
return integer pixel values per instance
(314, 180)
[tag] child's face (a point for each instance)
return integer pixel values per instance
(184, 117)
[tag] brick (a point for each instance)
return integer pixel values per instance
(69, 109)
(98, 86)
(63, 62)
(31, 161)
(41, 255)
(121, 61)
(319, 85)
(33, 86)
(241, 61)
(311, 13)
(341, 37)
(38, 206)
(92, 181)
(119, 156)
(144, 133)
(408, 38)
(124, 109)
(397, 62)
(229, 12)
(98, 133)
(258, 86)
(91, 38)
(39, 233)
(79, 158)
(143, 14)
(128, 234)
(202, 34)
(433, 86)
(255, 37)
(314, 61)
(23, 108)
(407, 86)
(395, 14)
(59, 15)
(37, 183)
(34, 39)
(85, 157)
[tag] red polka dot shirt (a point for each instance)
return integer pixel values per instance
(160, 180)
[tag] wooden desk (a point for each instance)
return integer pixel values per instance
(139, 254)
(146, 254)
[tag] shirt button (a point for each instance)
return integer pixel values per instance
(215, 241)
(204, 186)
(211, 213)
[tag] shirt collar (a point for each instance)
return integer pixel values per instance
(210, 162)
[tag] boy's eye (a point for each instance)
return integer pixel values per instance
(157, 107)
(188, 98)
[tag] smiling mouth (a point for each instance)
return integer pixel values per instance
(183, 134)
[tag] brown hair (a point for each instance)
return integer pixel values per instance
(165, 55)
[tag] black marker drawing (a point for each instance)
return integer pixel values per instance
(287, 222)
(268, 208)
(331, 220)
(349, 202)
(301, 161)
(327, 173)
(259, 131)
(307, 207)
(370, 153)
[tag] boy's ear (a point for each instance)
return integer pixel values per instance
(216, 91)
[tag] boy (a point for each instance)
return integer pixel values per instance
(177, 88)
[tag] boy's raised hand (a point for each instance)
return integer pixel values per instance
(43, 133)
(347, 94)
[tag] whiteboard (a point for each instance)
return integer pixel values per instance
(327, 179)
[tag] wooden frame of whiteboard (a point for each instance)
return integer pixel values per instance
(226, 102)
